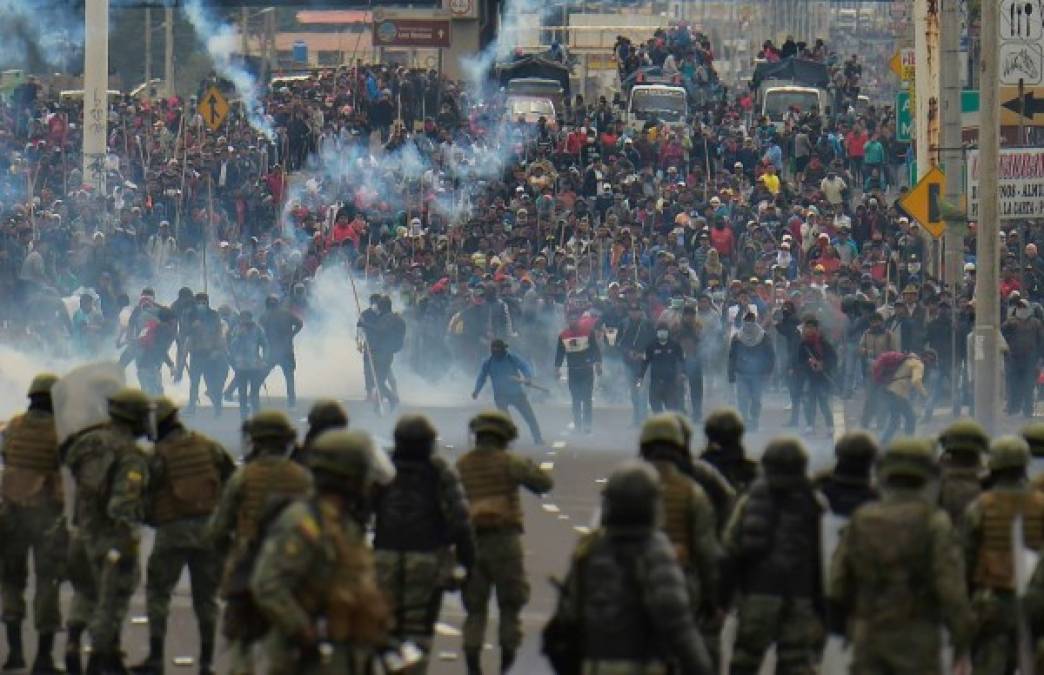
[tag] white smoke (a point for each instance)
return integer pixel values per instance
(31, 36)
(220, 40)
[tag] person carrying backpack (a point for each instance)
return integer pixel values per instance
(899, 375)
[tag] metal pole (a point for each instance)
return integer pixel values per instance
(148, 51)
(926, 50)
(952, 158)
(168, 51)
(95, 92)
(987, 294)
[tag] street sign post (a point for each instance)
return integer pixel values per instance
(396, 32)
(214, 108)
(903, 63)
(904, 130)
(923, 202)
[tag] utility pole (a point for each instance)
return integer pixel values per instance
(168, 51)
(987, 294)
(951, 156)
(95, 92)
(148, 52)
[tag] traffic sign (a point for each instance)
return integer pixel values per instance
(1021, 62)
(903, 64)
(904, 113)
(1021, 20)
(923, 202)
(214, 108)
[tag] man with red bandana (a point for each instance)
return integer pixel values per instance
(579, 350)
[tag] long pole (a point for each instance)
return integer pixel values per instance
(366, 342)
(95, 92)
(168, 51)
(148, 51)
(952, 158)
(987, 295)
(206, 228)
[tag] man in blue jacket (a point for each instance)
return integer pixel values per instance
(508, 372)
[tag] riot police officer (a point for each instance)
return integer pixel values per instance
(187, 473)
(315, 579)
(33, 502)
(268, 475)
(111, 473)
(963, 444)
(422, 532)
(492, 476)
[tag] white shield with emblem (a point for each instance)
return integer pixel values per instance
(836, 655)
(81, 397)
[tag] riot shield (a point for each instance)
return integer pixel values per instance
(81, 397)
(836, 655)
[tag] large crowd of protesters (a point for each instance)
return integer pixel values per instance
(732, 233)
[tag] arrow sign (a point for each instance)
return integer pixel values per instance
(214, 108)
(1029, 106)
(923, 202)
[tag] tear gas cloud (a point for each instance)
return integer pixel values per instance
(220, 40)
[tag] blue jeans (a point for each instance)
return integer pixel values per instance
(818, 397)
(748, 397)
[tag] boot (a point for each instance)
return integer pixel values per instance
(153, 663)
(507, 659)
(473, 659)
(206, 657)
(43, 664)
(15, 655)
(73, 662)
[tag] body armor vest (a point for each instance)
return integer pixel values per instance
(193, 484)
(492, 494)
(958, 488)
(344, 590)
(995, 567)
(892, 555)
(264, 478)
(31, 469)
(677, 511)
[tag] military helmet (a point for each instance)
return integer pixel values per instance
(41, 384)
(129, 405)
(856, 447)
(785, 462)
(914, 457)
(965, 434)
(1009, 452)
(271, 424)
(1034, 435)
(327, 413)
(414, 429)
(165, 408)
(723, 422)
(342, 453)
(494, 422)
(351, 455)
(631, 497)
(663, 428)
(686, 426)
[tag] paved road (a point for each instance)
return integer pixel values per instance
(580, 464)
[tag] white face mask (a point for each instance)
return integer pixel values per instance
(662, 335)
(914, 268)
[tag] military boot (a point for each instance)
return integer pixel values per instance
(206, 657)
(73, 661)
(15, 655)
(507, 659)
(43, 663)
(473, 659)
(153, 663)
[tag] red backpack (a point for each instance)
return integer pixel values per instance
(885, 366)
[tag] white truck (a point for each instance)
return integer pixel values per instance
(777, 99)
(667, 103)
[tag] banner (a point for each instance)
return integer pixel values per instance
(1020, 183)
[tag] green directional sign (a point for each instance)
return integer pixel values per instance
(904, 113)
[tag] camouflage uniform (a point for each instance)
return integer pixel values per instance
(111, 473)
(492, 476)
(420, 516)
(33, 503)
(625, 593)
(772, 547)
(963, 444)
(724, 451)
(187, 471)
(268, 475)
(987, 531)
(1034, 435)
(688, 517)
(315, 579)
(897, 576)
